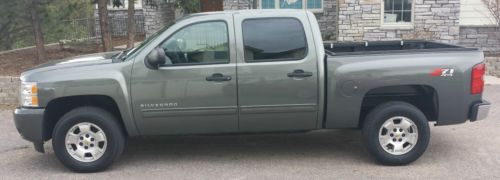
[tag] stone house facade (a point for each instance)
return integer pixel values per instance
(449, 21)
(162, 12)
(361, 20)
(157, 15)
(326, 15)
(463, 22)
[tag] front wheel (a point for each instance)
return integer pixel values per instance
(88, 139)
(396, 133)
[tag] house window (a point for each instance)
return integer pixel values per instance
(397, 12)
(311, 5)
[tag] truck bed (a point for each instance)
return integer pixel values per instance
(356, 70)
(373, 47)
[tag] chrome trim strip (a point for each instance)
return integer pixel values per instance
(196, 111)
(285, 108)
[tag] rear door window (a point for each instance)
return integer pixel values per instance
(274, 39)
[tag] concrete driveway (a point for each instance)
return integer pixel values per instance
(465, 151)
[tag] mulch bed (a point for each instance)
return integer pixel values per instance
(14, 63)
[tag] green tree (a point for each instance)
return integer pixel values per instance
(67, 18)
(14, 24)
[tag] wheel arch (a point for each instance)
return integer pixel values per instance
(424, 97)
(56, 108)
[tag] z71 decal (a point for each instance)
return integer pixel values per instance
(444, 72)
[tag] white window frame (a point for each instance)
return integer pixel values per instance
(304, 6)
(403, 25)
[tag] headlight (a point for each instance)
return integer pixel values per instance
(29, 94)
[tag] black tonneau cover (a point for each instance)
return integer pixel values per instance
(370, 47)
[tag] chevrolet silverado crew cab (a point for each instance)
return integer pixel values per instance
(250, 72)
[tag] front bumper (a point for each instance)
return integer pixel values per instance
(29, 123)
(479, 111)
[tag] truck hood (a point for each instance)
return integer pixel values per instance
(78, 61)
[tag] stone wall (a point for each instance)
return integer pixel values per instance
(327, 19)
(487, 38)
(493, 65)
(157, 15)
(9, 90)
(360, 20)
(237, 4)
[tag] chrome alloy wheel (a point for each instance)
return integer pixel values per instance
(86, 142)
(398, 135)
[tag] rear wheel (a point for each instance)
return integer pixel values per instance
(88, 139)
(396, 133)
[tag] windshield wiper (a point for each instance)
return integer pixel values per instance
(122, 55)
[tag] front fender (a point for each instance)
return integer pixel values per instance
(107, 80)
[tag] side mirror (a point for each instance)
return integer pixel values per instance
(155, 58)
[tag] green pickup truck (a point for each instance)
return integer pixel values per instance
(250, 72)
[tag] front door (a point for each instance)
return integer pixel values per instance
(277, 73)
(195, 90)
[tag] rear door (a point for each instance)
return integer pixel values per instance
(277, 72)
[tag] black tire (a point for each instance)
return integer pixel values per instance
(378, 116)
(114, 132)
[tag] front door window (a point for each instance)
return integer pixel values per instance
(201, 43)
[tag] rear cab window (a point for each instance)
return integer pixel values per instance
(274, 39)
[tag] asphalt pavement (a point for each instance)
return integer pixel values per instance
(464, 151)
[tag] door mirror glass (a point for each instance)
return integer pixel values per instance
(155, 58)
